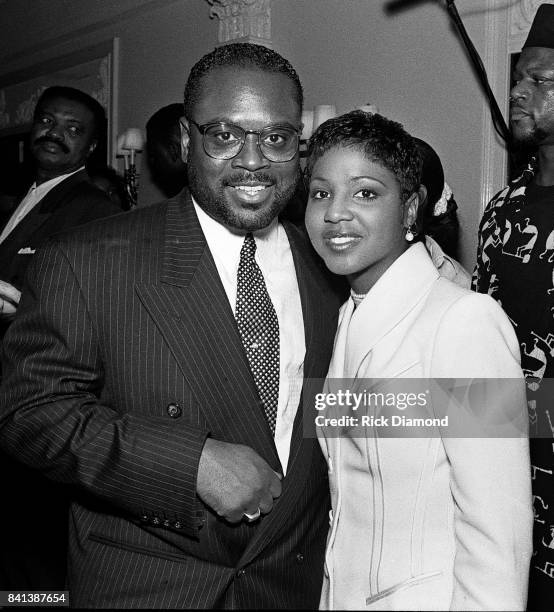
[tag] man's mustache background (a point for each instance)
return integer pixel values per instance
(55, 141)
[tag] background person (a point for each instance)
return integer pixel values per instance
(437, 219)
(418, 523)
(67, 125)
(163, 149)
(515, 266)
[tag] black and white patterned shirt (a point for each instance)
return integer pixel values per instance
(515, 265)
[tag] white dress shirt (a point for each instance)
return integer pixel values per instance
(33, 197)
(274, 257)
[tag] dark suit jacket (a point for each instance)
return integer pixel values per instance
(36, 559)
(125, 356)
(72, 202)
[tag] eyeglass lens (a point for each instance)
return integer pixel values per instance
(224, 141)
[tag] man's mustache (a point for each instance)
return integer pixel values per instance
(60, 143)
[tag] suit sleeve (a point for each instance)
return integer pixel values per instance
(53, 417)
(490, 476)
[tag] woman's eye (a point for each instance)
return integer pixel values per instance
(319, 194)
(366, 194)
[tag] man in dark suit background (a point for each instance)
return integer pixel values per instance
(66, 128)
(67, 125)
(156, 366)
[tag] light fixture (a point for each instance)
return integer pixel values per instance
(129, 143)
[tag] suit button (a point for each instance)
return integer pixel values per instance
(166, 523)
(155, 521)
(177, 525)
(241, 573)
(299, 558)
(174, 410)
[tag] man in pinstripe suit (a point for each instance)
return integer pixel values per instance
(126, 376)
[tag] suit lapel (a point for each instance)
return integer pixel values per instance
(189, 305)
(190, 308)
(406, 282)
(319, 310)
(40, 214)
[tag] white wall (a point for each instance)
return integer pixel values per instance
(347, 52)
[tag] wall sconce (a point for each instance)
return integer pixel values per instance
(129, 143)
(312, 119)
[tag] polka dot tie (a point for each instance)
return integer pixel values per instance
(259, 329)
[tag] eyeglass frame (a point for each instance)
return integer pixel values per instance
(203, 128)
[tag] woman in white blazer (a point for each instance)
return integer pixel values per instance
(429, 522)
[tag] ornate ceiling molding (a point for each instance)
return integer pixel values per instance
(243, 20)
(521, 17)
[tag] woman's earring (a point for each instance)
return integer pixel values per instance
(410, 234)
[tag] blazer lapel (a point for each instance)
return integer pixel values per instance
(190, 308)
(319, 310)
(38, 216)
(405, 283)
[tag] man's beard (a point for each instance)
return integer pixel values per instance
(213, 201)
(529, 140)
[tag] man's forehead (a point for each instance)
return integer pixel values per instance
(66, 106)
(232, 90)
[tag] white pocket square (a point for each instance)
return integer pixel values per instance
(26, 251)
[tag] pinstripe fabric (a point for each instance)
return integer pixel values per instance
(37, 560)
(118, 321)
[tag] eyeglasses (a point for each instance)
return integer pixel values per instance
(277, 143)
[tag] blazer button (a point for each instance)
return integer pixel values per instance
(241, 573)
(300, 558)
(174, 410)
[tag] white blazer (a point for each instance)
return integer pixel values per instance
(427, 523)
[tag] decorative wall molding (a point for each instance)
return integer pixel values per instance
(520, 19)
(494, 154)
(243, 20)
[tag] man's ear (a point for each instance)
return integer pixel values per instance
(185, 138)
(92, 147)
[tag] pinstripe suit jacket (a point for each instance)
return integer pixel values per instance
(124, 357)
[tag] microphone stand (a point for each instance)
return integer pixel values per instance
(497, 118)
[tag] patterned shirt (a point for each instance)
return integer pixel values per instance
(515, 265)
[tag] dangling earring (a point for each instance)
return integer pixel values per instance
(410, 234)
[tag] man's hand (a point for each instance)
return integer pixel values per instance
(234, 479)
(9, 301)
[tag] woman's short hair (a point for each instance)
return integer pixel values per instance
(379, 139)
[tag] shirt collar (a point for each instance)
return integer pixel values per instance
(45, 187)
(229, 240)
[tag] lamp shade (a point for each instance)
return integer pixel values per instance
(132, 140)
(308, 124)
(120, 142)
